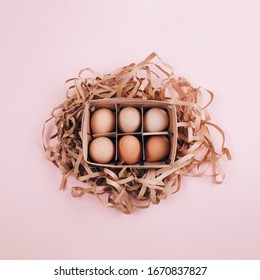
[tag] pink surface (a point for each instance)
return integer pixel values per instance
(214, 44)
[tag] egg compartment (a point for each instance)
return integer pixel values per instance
(116, 104)
(91, 109)
(139, 136)
(146, 108)
(112, 137)
(168, 159)
(121, 106)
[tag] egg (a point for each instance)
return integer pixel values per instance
(155, 119)
(157, 148)
(129, 149)
(102, 121)
(129, 119)
(102, 150)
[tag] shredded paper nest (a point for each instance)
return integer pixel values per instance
(127, 188)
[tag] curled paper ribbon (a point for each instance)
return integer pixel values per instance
(126, 188)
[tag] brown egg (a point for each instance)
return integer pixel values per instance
(156, 119)
(129, 119)
(102, 150)
(156, 148)
(102, 121)
(129, 149)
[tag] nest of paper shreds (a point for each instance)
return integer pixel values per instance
(127, 188)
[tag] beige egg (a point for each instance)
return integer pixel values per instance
(102, 150)
(157, 148)
(129, 119)
(102, 121)
(129, 149)
(156, 119)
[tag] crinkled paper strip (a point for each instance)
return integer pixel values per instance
(127, 188)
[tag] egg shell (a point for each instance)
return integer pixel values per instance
(129, 149)
(156, 119)
(157, 148)
(129, 119)
(102, 121)
(102, 150)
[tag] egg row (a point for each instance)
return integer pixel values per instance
(102, 149)
(129, 120)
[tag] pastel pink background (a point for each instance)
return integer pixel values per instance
(214, 44)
